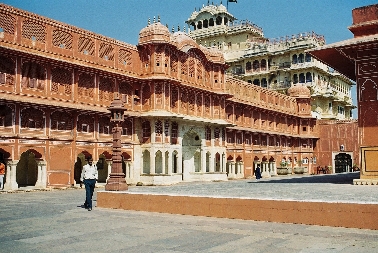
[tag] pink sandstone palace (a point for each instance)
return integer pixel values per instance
(186, 119)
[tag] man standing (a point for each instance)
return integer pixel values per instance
(2, 173)
(89, 176)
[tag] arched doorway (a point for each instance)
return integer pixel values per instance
(102, 168)
(343, 163)
(191, 144)
(27, 168)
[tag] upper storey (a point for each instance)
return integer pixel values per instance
(159, 54)
(217, 21)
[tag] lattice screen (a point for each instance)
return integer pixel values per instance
(86, 46)
(33, 31)
(62, 39)
(7, 23)
(124, 57)
(106, 51)
(61, 77)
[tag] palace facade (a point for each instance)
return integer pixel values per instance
(185, 118)
(275, 64)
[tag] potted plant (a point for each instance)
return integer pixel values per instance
(299, 169)
(283, 169)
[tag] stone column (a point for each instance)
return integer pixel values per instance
(241, 169)
(211, 161)
(170, 163)
(264, 169)
(109, 168)
(232, 169)
(152, 161)
(42, 176)
(163, 162)
(11, 183)
(223, 163)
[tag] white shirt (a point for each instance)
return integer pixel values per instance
(89, 172)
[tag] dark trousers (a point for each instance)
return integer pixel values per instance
(89, 188)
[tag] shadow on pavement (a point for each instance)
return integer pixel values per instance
(342, 178)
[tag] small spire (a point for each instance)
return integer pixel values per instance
(154, 20)
(159, 19)
(184, 29)
(208, 2)
(178, 28)
(166, 25)
(149, 21)
(173, 29)
(195, 9)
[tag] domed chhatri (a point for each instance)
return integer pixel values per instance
(155, 32)
(298, 91)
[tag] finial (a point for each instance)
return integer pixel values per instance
(173, 29)
(159, 19)
(178, 28)
(208, 2)
(166, 25)
(149, 21)
(195, 9)
(154, 20)
(184, 29)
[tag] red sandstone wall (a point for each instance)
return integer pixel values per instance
(332, 134)
(311, 213)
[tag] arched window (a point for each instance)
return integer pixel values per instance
(300, 58)
(225, 21)
(295, 78)
(218, 20)
(264, 83)
(248, 66)
(308, 77)
(295, 59)
(211, 22)
(146, 130)
(256, 82)
(174, 133)
(256, 65)
(301, 78)
(205, 23)
(263, 64)
(308, 58)
(158, 128)
(208, 133)
(199, 25)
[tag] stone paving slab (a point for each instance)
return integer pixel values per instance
(53, 221)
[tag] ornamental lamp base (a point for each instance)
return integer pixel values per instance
(116, 184)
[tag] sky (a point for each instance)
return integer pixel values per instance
(123, 19)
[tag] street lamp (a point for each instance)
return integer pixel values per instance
(116, 181)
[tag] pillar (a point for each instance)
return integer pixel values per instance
(42, 175)
(11, 183)
(152, 161)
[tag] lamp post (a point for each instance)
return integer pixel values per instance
(116, 181)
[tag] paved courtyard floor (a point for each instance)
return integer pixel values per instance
(53, 221)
